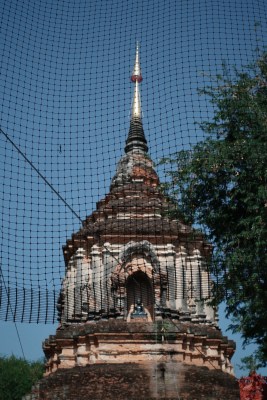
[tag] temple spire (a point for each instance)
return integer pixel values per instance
(136, 140)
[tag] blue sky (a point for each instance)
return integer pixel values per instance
(65, 102)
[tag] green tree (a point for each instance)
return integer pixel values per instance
(17, 376)
(249, 364)
(220, 184)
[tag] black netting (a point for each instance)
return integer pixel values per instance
(65, 116)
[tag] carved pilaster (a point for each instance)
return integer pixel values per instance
(80, 281)
(97, 275)
(69, 288)
(169, 261)
(181, 295)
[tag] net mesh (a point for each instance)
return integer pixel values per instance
(65, 114)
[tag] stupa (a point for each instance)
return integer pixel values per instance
(134, 309)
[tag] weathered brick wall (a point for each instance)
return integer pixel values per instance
(150, 381)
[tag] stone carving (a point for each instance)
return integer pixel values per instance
(191, 296)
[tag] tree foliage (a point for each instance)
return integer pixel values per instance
(220, 184)
(17, 376)
(249, 363)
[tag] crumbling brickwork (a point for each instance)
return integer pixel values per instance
(148, 381)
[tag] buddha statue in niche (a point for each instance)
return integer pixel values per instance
(138, 311)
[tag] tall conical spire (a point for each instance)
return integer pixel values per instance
(136, 138)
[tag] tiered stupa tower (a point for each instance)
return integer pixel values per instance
(134, 303)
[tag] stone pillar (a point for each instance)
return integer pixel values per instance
(193, 282)
(205, 291)
(205, 280)
(199, 280)
(69, 289)
(82, 355)
(180, 266)
(86, 287)
(97, 273)
(67, 357)
(78, 257)
(171, 274)
(106, 271)
(110, 261)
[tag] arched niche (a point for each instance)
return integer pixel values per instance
(139, 286)
(137, 258)
(144, 249)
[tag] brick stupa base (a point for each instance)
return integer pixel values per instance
(130, 381)
(118, 341)
(138, 360)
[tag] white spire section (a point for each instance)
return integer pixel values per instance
(136, 74)
(136, 105)
(136, 78)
